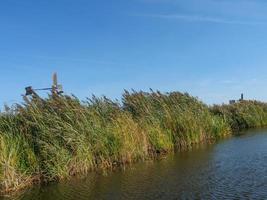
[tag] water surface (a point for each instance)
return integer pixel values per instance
(234, 168)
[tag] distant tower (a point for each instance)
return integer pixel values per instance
(242, 97)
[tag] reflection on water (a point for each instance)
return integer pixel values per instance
(231, 169)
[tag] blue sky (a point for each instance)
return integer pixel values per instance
(213, 49)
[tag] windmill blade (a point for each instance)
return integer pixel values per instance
(55, 79)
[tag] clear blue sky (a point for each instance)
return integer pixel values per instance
(213, 49)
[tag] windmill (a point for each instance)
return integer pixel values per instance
(56, 89)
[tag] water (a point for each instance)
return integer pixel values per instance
(234, 168)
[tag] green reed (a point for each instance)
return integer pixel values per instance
(49, 139)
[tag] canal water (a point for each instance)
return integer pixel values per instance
(234, 168)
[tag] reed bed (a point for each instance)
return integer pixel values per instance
(43, 140)
(243, 115)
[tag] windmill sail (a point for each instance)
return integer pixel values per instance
(55, 80)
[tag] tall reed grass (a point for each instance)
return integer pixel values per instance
(243, 115)
(49, 139)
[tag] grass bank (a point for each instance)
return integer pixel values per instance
(43, 140)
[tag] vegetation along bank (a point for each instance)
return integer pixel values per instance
(43, 140)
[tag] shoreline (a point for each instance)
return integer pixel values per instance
(154, 156)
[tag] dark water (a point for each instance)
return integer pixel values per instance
(234, 168)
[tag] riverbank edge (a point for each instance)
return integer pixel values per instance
(38, 180)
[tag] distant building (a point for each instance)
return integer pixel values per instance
(236, 101)
(232, 101)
